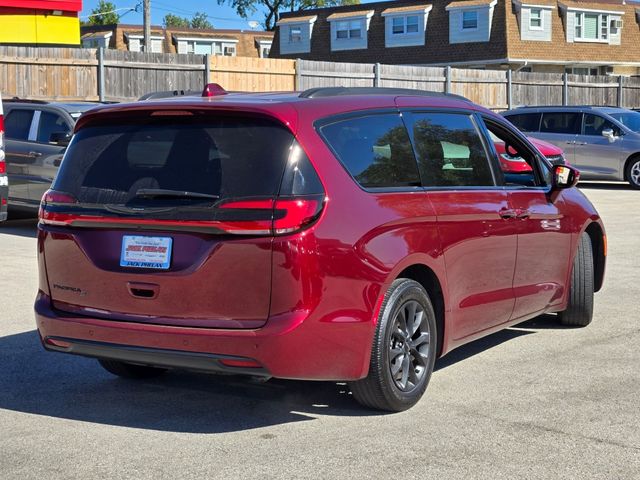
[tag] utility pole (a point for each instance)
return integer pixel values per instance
(147, 25)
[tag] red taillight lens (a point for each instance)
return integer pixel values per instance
(288, 215)
(248, 363)
(3, 167)
(52, 198)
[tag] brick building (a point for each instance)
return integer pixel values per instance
(530, 35)
(239, 43)
(40, 23)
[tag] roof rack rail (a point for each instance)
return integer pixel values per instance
(26, 100)
(344, 91)
(567, 106)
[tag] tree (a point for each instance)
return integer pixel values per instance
(246, 7)
(171, 20)
(200, 21)
(104, 14)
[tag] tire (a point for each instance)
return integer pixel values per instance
(401, 361)
(579, 312)
(131, 371)
(632, 172)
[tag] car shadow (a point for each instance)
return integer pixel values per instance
(35, 381)
(605, 185)
(21, 227)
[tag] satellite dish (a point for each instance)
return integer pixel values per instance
(253, 24)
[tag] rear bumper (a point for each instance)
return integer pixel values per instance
(295, 346)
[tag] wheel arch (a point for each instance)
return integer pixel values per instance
(426, 277)
(630, 158)
(599, 247)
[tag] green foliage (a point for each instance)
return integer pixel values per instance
(171, 20)
(104, 14)
(244, 8)
(200, 21)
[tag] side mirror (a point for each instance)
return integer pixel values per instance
(609, 135)
(60, 138)
(564, 176)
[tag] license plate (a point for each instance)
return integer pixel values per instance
(146, 252)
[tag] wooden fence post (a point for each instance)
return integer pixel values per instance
(207, 69)
(509, 90)
(620, 91)
(101, 95)
(298, 81)
(447, 79)
(376, 75)
(565, 89)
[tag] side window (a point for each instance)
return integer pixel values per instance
(595, 124)
(375, 149)
(450, 151)
(17, 124)
(526, 122)
(518, 161)
(50, 123)
(564, 123)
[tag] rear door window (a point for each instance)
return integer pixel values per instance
(18, 123)
(561, 122)
(450, 151)
(51, 123)
(525, 122)
(375, 149)
(219, 158)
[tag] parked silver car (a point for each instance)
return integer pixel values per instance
(602, 142)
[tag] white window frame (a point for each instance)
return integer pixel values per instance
(140, 41)
(262, 46)
(298, 27)
(404, 19)
(469, 29)
(222, 43)
(540, 17)
(602, 35)
(350, 24)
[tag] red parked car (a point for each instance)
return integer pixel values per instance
(337, 234)
(512, 163)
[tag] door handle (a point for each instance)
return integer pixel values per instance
(580, 143)
(572, 142)
(507, 213)
(35, 154)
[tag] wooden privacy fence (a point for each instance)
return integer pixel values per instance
(112, 75)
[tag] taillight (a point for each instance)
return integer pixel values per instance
(51, 199)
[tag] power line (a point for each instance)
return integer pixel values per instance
(182, 11)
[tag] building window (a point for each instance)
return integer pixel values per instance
(295, 34)
(470, 20)
(405, 25)
(535, 19)
(350, 29)
(592, 26)
(582, 70)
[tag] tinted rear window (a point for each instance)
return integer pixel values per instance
(18, 123)
(556, 122)
(526, 122)
(375, 149)
(229, 157)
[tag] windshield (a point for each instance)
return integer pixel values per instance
(631, 120)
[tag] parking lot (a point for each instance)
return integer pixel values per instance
(534, 401)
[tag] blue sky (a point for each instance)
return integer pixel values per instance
(221, 16)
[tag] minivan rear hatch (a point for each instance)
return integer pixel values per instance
(168, 218)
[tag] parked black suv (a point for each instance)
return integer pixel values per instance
(36, 135)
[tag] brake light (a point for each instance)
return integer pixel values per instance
(213, 90)
(3, 165)
(52, 198)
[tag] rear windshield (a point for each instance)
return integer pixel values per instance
(219, 158)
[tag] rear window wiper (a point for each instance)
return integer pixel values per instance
(161, 192)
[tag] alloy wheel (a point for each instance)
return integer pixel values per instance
(634, 173)
(409, 346)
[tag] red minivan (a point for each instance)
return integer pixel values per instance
(334, 234)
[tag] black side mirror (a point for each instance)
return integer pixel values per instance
(60, 138)
(564, 176)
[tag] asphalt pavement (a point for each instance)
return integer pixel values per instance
(536, 401)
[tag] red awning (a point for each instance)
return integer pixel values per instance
(64, 5)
